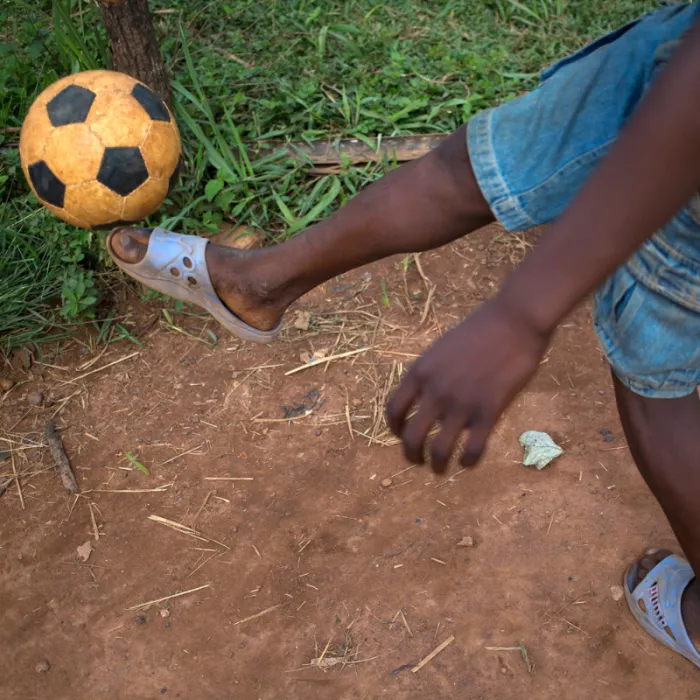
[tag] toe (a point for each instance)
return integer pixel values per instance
(130, 244)
(649, 561)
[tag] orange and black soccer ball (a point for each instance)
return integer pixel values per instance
(100, 148)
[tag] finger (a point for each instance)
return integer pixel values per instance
(476, 442)
(417, 429)
(400, 404)
(444, 442)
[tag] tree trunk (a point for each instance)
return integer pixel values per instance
(133, 44)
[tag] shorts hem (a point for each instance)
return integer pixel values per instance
(647, 392)
(670, 391)
(505, 207)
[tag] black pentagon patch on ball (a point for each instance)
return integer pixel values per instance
(176, 175)
(154, 106)
(47, 186)
(70, 106)
(122, 170)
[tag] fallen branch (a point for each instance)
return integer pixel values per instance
(399, 148)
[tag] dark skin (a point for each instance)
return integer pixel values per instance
(467, 379)
(419, 206)
(670, 468)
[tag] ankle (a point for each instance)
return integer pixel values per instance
(692, 593)
(247, 276)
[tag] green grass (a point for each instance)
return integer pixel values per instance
(245, 70)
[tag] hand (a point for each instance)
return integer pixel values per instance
(464, 382)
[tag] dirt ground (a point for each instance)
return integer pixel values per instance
(340, 564)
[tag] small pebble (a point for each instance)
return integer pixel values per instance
(617, 593)
(141, 619)
(35, 398)
(164, 612)
(6, 384)
(386, 483)
(605, 431)
(466, 542)
(43, 667)
(609, 438)
(504, 670)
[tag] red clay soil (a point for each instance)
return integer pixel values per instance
(338, 563)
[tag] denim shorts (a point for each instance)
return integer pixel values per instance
(532, 155)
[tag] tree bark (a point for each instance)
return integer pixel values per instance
(133, 44)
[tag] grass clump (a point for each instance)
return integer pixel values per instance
(249, 70)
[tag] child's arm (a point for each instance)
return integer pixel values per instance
(469, 376)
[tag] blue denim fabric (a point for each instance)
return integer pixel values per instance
(532, 155)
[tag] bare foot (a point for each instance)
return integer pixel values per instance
(690, 604)
(239, 285)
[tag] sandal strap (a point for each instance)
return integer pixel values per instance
(175, 264)
(656, 604)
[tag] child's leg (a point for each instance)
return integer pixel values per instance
(421, 205)
(522, 162)
(664, 439)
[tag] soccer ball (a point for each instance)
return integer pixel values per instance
(100, 148)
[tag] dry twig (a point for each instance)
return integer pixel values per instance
(60, 458)
(326, 360)
(99, 369)
(432, 654)
(257, 615)
(19, 486)
(147, 604)
(185, 530)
